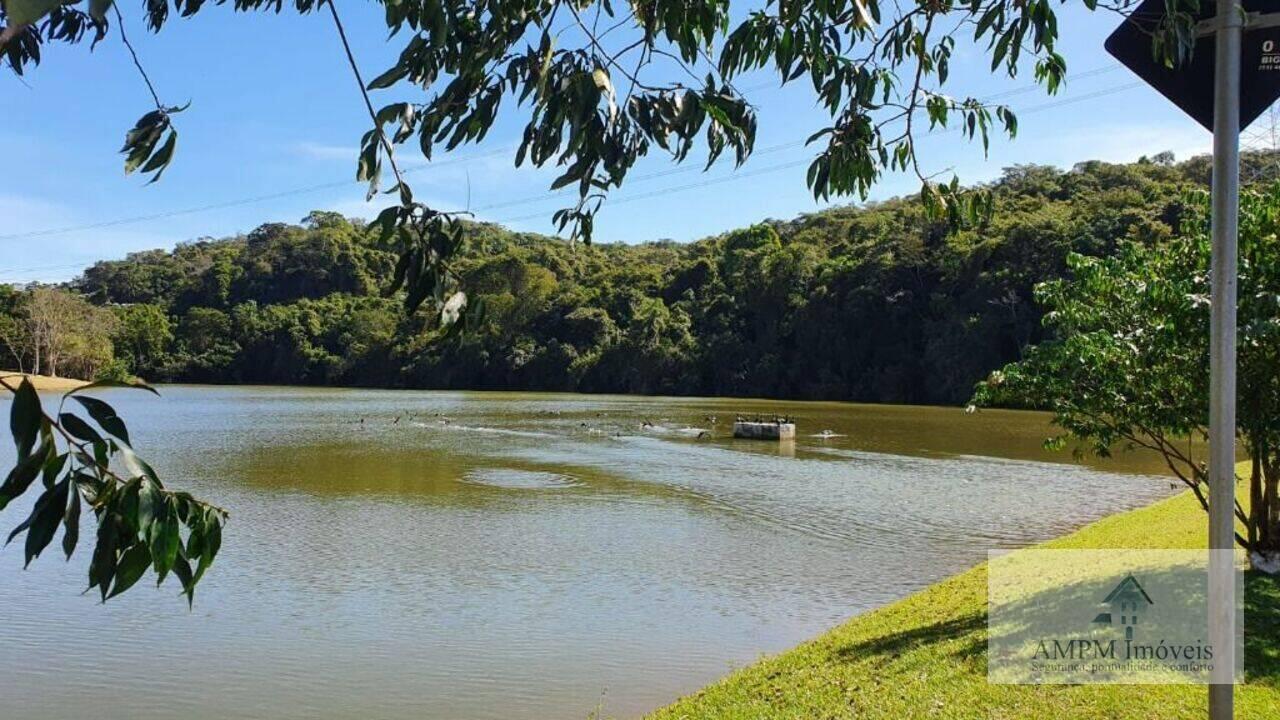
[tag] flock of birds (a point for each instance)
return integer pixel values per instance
(699, 433)
(443, 419)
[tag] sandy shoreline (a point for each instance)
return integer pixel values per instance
(42, 382)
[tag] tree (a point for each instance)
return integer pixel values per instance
(878, 69)
(142, 334)
(206, 346)
(1128, 364)
(13, 329)
(67, 333)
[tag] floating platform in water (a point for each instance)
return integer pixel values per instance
(776, 430)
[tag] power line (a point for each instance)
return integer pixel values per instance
(680, 188)
(240, 201)
(758, 171)
(49, 267)
(1080, 76)
(543, 196)
(803, 161)
(15, 275)
(441, 163)
(754, 153)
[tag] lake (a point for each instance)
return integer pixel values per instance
(407, 554)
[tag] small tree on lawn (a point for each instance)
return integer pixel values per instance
(1129, 365)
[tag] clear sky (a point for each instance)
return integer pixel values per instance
(275, 120)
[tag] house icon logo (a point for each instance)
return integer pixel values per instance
(1127, 601)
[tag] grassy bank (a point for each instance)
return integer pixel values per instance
(42, 382)
(925, 656)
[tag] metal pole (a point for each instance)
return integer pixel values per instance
(1222, 357)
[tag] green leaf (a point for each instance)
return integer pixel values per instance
(388, 78)
(212, 543)
(165, 542)
(133, 565)
(45, 517)
(140, 141)
(105, 416)
(138, 468)
(102, 568)
(25, 12)
(23, 474)
(182, 568)
(160, 160)
(135, 384)
(71, 522)
(53, 465)
(24, 417)
(150, 506)
(98, 9)
(80, 429)
(195, 540)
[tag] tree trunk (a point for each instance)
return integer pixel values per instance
(1264, 511)
(1270, 503)
(1257, 506)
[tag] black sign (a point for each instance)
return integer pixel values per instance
(1190, 86)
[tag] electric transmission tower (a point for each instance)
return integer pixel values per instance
(1260, 149)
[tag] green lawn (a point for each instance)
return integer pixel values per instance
(925, 655)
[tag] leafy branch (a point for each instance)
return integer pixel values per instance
(143, 149)
(369, 162)
(141, 524)
(426, 239)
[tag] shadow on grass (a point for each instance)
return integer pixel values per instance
(968, 630)
(1262, 629)
(1261, 634)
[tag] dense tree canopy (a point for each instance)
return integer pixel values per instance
(879, 303)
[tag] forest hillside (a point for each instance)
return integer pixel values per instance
(870, 303)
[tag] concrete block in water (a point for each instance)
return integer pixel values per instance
(764, 430)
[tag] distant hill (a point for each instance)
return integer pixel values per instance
(872, 303)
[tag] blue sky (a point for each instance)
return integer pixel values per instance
(274, 111)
